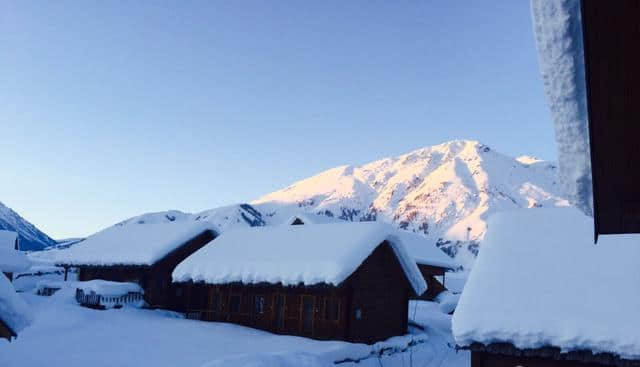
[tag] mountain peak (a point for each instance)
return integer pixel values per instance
(445, 192)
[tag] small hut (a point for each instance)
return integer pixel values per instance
(144, 254)
(12, 260)
(541, 294)
(347, 281)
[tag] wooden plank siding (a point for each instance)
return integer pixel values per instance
(611, 32)
(370, 305)
(154, 279)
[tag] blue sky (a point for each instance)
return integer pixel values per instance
(111, 109)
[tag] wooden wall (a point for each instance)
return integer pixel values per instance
(612, 60)
(434, 287)
(380, 290)
(258, 306)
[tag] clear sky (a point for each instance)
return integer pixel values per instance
(111, 109)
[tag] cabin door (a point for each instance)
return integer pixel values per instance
(307, 315)
(278, 309)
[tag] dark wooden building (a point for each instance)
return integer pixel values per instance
(150, 253)
(612, 69)
(368, 305)
(435, 286)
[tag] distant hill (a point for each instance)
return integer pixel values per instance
(31, 238)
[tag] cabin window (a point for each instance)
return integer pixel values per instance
(258, 305)
(179, 292)
(358, 313)
(331, 309)
(234, 303)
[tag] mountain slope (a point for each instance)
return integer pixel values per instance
(444, 192)
(224, 218)
(31, 238)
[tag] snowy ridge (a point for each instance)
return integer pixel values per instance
(558, 33)
(222, 218)
(560, 291)
(292, 255)
(31, 238)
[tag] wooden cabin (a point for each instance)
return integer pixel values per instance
(145, 254)
(343, 281)
(612, 69)
(12, 260)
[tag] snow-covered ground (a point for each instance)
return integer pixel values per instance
(65, 334)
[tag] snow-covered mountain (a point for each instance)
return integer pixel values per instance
(31, 238)
(445, 192)
(226, 217)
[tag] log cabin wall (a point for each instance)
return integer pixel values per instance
(316, 311)
(380, 298)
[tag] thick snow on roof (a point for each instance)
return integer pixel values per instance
(558, 33)
(13, 310)
(424, 251)
(307, 254)
(131, 244)
(540, 281)
(11, 260)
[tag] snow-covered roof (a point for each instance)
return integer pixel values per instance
(558, 34)
(540, 281)
(11, 260)
(131, 244)
(291, 255)
(107, 288)
(14, 311)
